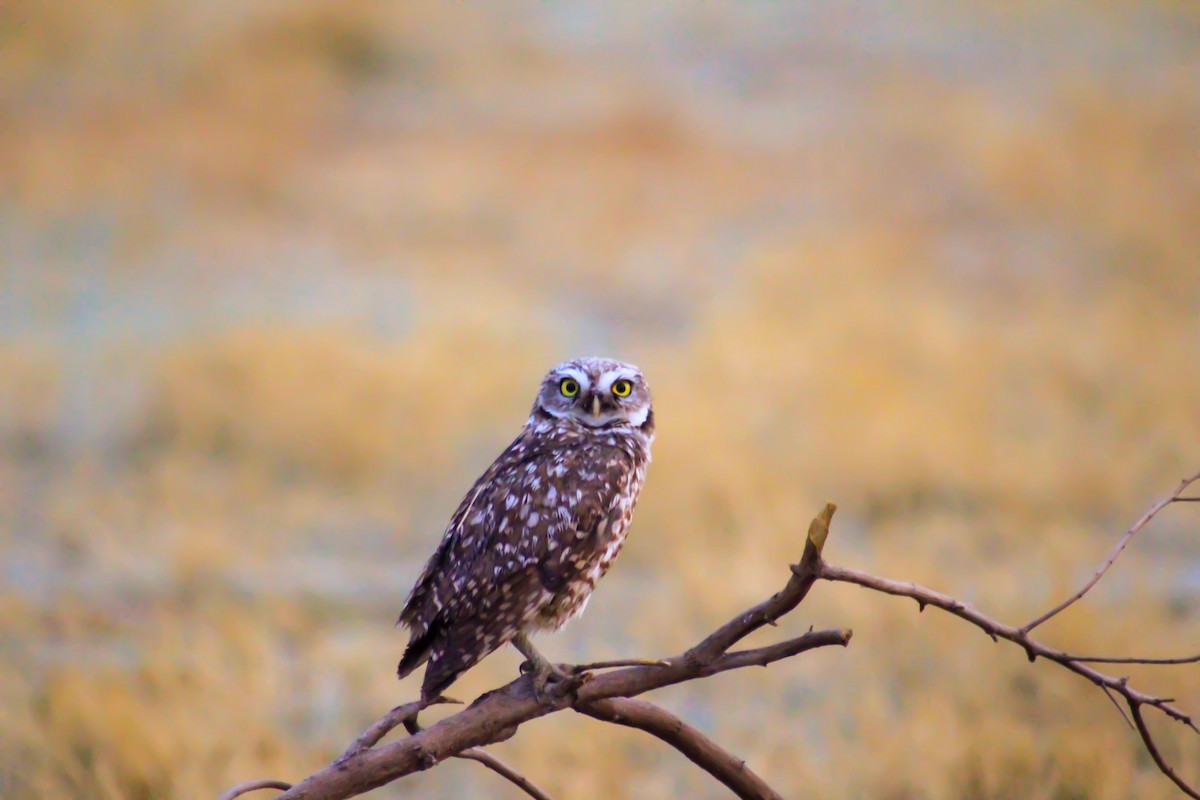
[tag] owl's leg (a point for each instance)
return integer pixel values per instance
(537, 665)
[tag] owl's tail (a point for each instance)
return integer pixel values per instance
(447, 655)
(438, 678)
(416, 653)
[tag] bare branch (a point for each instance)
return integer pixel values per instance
(1116, 551)
(620, 662)
(254, 786)
(496, 715)
(495, 764)
(762, 656)
(1113, 699)
(492, 762)
(998, 630)
(765, 613)
(394, 718)
(1151, 747)
(1118, 660)
(698, 748)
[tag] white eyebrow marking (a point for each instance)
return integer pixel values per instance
(578, 375)
(607, 379)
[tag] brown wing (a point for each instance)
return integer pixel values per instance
(461, 542)
(482, 548)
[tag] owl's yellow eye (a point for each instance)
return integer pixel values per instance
(569, 387)
(622, 388)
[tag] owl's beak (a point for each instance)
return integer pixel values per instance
(596, 406)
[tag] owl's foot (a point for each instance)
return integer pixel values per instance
(546, 676)
(543, 672)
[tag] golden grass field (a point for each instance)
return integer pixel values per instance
(277, 280)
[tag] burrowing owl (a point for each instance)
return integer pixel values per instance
(542, 524)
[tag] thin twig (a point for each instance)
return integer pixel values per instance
(621, 662)
(494, 763)
(1135, 709)
(698, 748)
(998, 630)
(369, 738)
(254, 786)
(1116, 551)
(1118, 660)
(394, 718)
(1034, 649)
(500, 767)
(1113, 699)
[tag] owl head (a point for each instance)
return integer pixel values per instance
(596, 392)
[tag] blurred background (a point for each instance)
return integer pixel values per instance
(279, 279)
